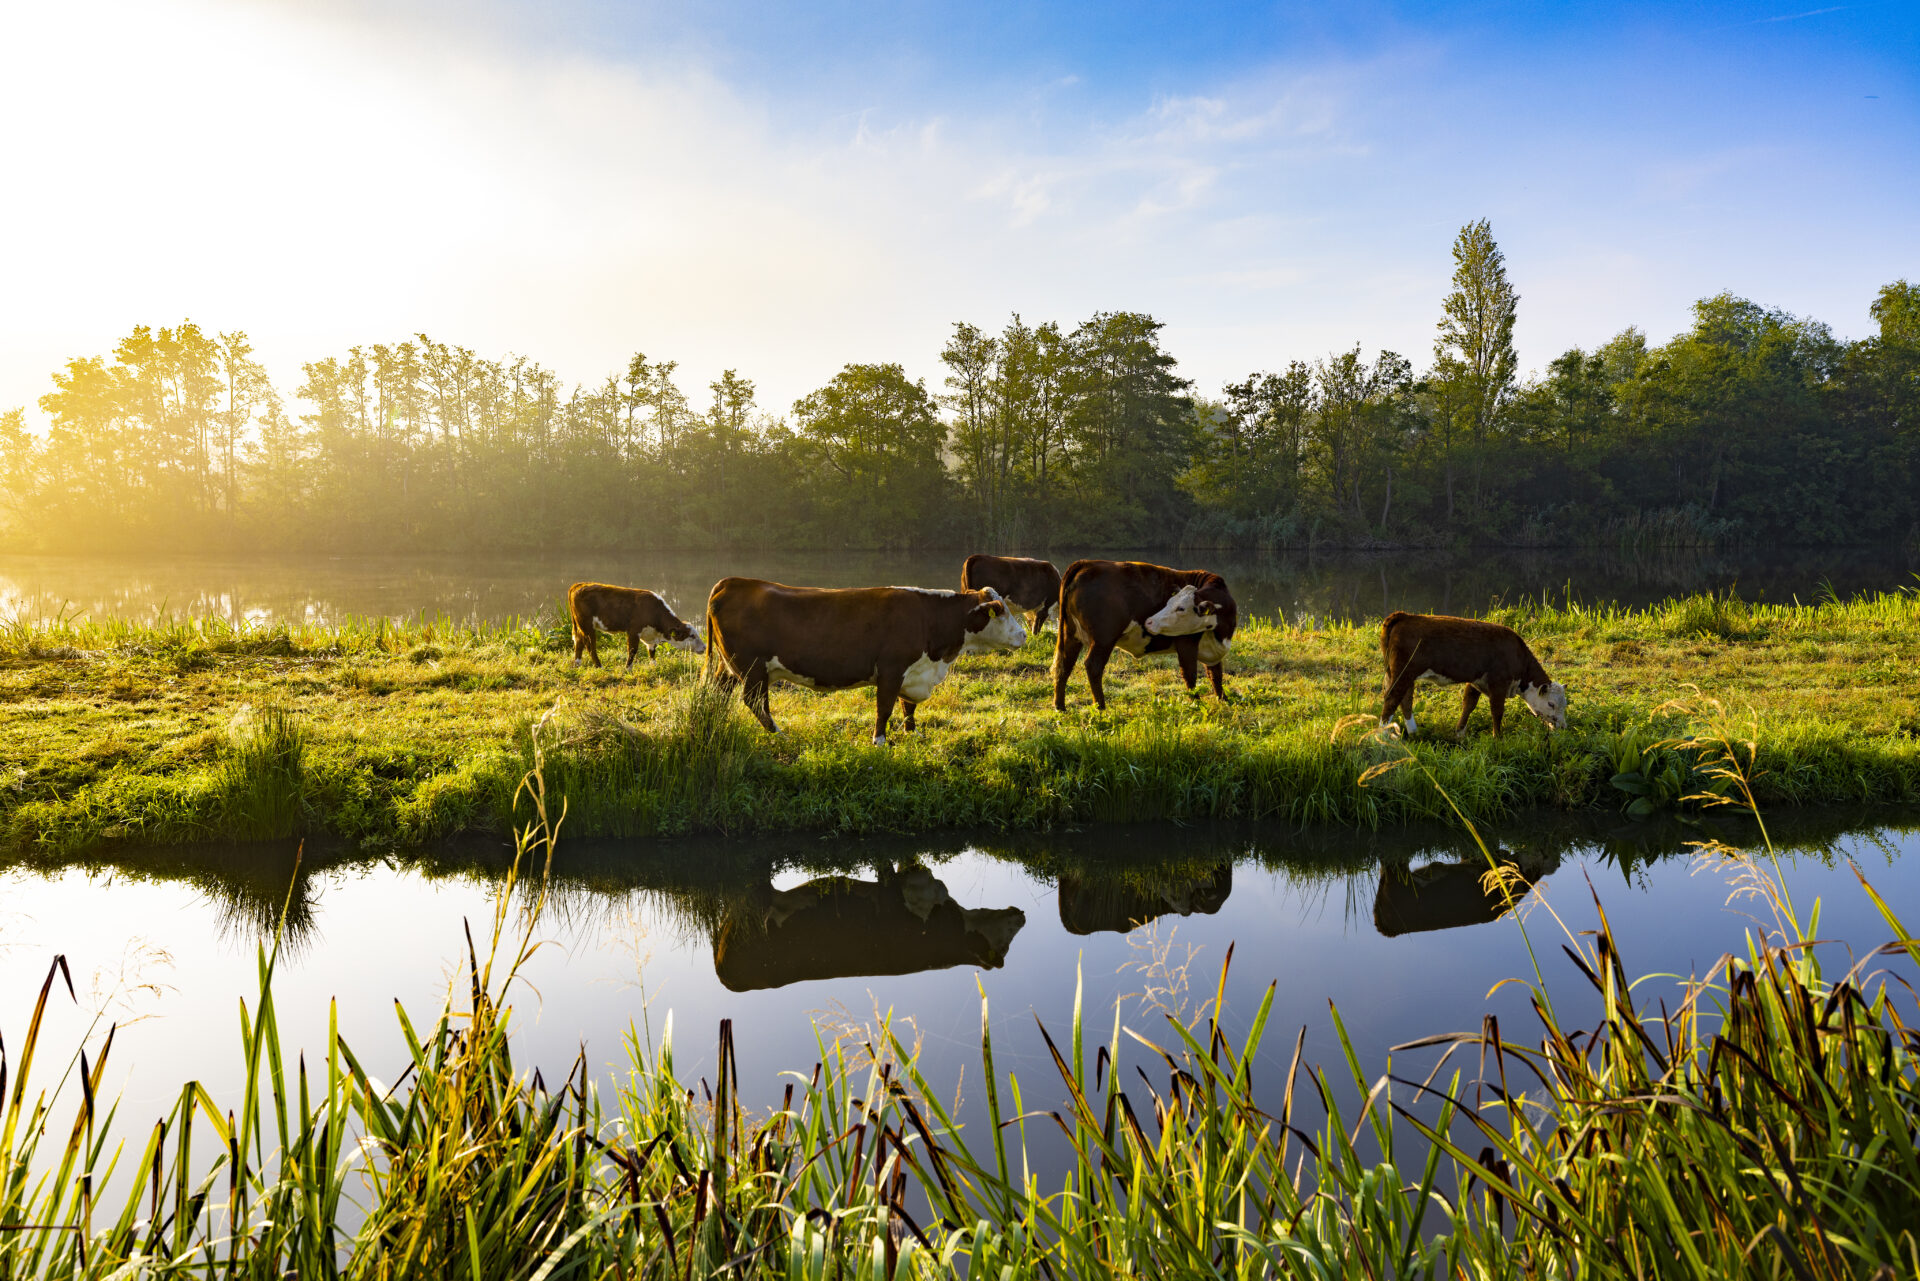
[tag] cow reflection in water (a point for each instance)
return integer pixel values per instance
(837, 927)
(1088, 906)
(1443, 896)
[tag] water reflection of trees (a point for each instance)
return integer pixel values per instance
(1347, 584)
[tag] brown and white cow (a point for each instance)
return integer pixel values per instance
(1143, 609)
(638, 613)
(1032, 585)
(900, 640)
(1485, 657)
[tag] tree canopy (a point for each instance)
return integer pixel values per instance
(1753, 423)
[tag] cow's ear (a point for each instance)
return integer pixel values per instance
(978, 617)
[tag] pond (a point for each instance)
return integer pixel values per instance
(794, 938)
(1338, 584)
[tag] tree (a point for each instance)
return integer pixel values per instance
(877, 441)
(981, 441)
(249, 395)
(1131, 427)
(18, 460)
(1473, 357)
(1253, 445)
(1897, 310)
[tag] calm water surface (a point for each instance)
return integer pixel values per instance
(789, 937)
(1344, 584)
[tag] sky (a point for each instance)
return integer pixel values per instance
(782, 189)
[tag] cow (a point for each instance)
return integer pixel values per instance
(1485, 657)
(641, 614)
(900, 640)
(1143, 609)
(839, 926)
(1032, 585)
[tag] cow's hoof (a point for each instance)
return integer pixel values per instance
(879, 740)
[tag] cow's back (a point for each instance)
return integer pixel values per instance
(836, 638)
(1027, 582)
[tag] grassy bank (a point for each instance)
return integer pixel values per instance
(402, 734)
(1757, 1122)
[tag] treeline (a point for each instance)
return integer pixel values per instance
(1753, 424)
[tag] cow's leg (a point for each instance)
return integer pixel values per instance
(1497, 705)
(1096, 668)
(1066, 652)
(633, 647)
(1469, 699)
(1399, 696)
(755, 696)
(587, 639)
(1216, 673)
(1187, 650)
(886, 692)
(907, 705)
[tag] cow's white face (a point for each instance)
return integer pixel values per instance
(692, 643)
(1182, 615)
(1549, 704)
(1004, 630)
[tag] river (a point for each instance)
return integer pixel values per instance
(1331, 584)
(790, 936)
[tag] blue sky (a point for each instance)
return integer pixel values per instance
(783, 188)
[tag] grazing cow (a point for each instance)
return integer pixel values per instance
(1089, 904)
(1485, 657)
(1032, 585)
(1143, 609)
(641, 614)
(901, 640)
(839, 926)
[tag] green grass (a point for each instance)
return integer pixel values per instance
(400, 734)
(1762, 1121)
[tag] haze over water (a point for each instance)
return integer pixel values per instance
(1340, 584)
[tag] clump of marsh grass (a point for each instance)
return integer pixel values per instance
(681, 768)
(262, 772)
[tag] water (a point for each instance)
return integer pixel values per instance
(793, 937)
(1343, 584)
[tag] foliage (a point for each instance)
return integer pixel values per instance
(1751, 424)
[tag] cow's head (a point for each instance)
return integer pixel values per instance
(993, 624)
(687, 638)
(1185, 613)
(1548, 702)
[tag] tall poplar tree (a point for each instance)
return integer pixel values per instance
(1473, 356)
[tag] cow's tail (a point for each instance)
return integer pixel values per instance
(714, 666)
(1067, 581)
